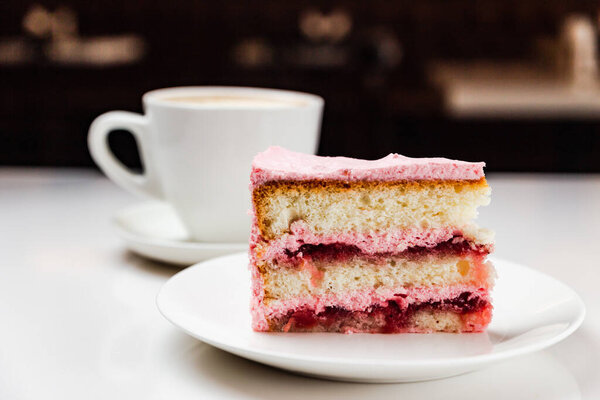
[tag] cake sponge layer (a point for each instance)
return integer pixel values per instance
(311, 278)
(333, 207)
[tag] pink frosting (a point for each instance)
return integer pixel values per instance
(277, 163)
(358, 300)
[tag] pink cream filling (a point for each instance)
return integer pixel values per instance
(389, 242)
(357, 300)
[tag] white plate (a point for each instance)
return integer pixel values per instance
(154, 231)
(532, 311)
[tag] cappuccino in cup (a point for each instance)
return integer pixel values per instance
(197, 145)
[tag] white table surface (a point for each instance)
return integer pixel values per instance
(78, 319)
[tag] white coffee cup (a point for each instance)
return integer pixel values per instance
(197, 145)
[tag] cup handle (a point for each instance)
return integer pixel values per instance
(146, 184)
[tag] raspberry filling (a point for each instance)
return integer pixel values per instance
(339, 251)
(391, 318)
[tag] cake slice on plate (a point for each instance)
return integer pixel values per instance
(384, 246)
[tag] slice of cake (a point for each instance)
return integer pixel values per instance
(384, 246)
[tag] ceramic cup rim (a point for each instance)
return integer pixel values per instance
(159, 97)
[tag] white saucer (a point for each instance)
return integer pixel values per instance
(153, 230)
(532, 311)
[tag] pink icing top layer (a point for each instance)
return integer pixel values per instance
(277, 163)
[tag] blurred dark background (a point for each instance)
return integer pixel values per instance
(511, 82)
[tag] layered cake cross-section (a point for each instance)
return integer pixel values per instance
(383, 246)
